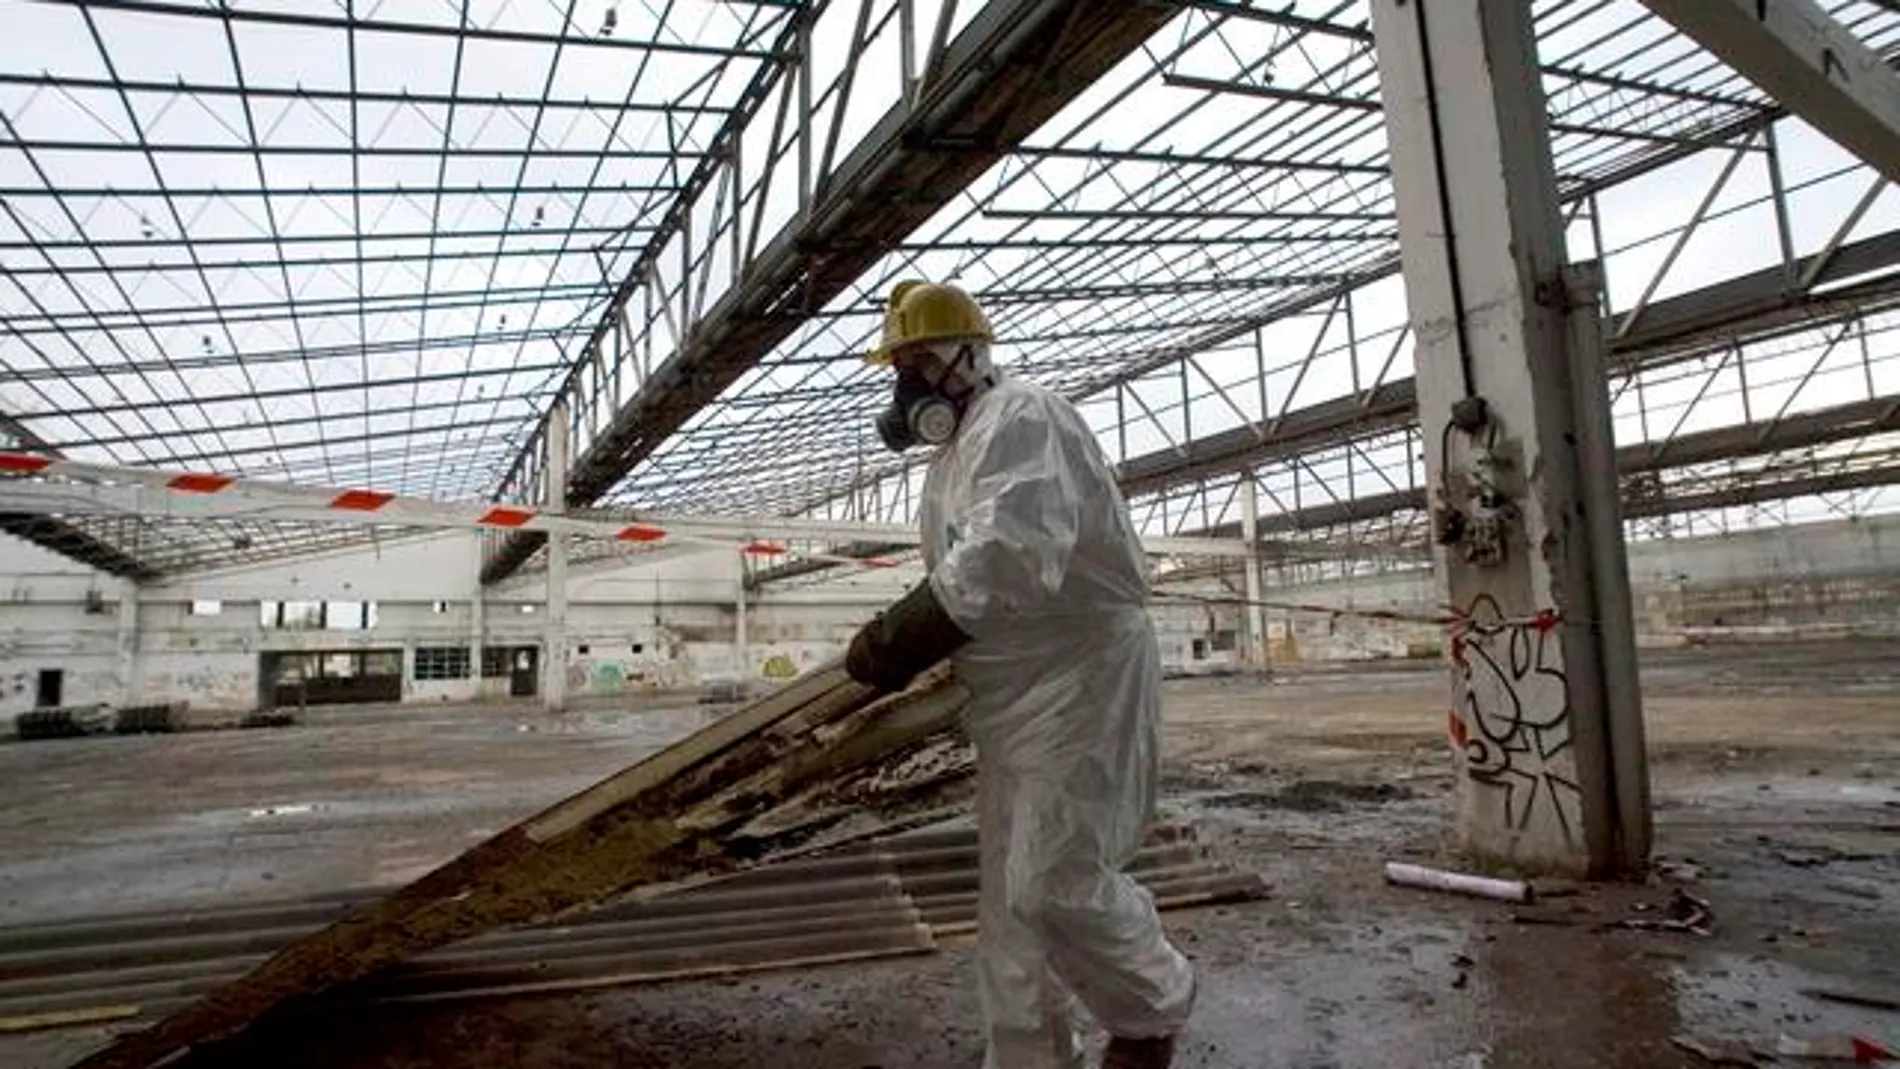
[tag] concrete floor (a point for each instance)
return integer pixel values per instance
(1777, 776)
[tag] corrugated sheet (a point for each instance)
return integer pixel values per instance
(874, 900)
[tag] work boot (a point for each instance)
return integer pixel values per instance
(1125, 1053)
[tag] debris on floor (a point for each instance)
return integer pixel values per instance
(1720, 1051)
(682, 815)
(1855, 889)
(1878, 1000)
(1408, 875)
(1350, 971)
(38, 1022)
(1314, 796)
(1836, 1048)
(822, 763)
(1683, 913)
(1683, 870)
(890, 898)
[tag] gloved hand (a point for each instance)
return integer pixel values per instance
(903, 640)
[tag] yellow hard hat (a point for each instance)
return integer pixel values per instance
(929, 312)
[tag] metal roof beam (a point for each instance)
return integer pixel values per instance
(1807, 60)
(576, 39)
(378, 383)
(39, 144)
(341, 237)
(1669, 331)
(344, 96)
(1757, 492)
(54, 532)
(283, 356)
(229, 193)
(192, 315)
(1011, 69)
(1838, 423)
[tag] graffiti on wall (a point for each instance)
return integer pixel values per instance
(597, 676)
(1511, 718)
(779, 666)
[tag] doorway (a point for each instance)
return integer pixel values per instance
(523, 672)
(52, 688)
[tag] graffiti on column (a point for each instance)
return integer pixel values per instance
(1511, 715)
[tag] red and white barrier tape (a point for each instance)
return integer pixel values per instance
(287, 502)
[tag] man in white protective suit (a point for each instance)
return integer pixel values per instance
(1037, 587)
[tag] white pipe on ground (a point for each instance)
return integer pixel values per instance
(1430, 879)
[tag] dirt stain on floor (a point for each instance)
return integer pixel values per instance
(1313, 796)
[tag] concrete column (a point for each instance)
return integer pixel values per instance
(476, 640)
(128, 642)
(1255, 654)
(554, 664)
(1545, 714)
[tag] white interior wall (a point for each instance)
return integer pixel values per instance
(57, 615)
(434, 567)
(638, 625)
(1798, 581)
(632, 625)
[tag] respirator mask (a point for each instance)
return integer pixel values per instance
(923, 412)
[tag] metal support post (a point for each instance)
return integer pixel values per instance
(804, 130)
(1255, 655)
(554, 665)
(1545, 717)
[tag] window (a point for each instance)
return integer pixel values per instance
(1200, 649)
(527, 610)
(438, 607)
(1226, 641)
(495, 662)
(582, 649)
(206, 608)
(295, 667)
(345, 615)
(441, 662)
(301, 616)
(639, 647)
(316, 615)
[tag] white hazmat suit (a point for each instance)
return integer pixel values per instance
(1032, 554)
